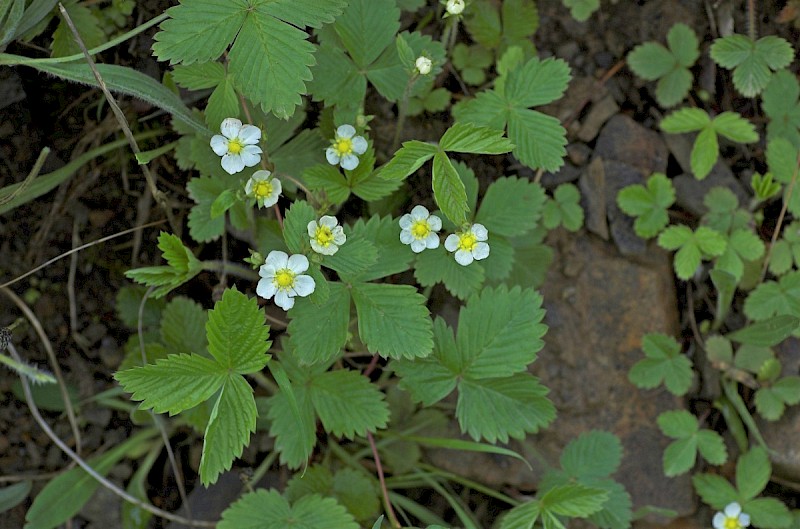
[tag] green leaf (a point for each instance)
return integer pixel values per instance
(753, 471)
(237, 336)
(663, 363)
(499, 408)
(511, 207)
(715, 490)
(448, 190)
(223, 103)
(651, 61)
(782, 159)
(318, 332)
(407, 159)
(431, 379)
(680, 456)
(705, 153)
(199, 76)
(780, 103)
(774, 298)
(223, 203)
(592, 455)
(88, 27)
(13, 495)
(769, 404)
(581, 10)
(352, 258)
(522, 516)
(438, 266)
(683, 44)
(719, 350)
(685, 120)
(367, 28)
(573, 500)
(769, 513)
(735, 127)
(348, 404)
(768, 332)
(564, 209)
(393, 256)
(65, 495)
(204, 191)
(692, 246)
(712, 447)
(500, 332)
(233, 419)
(469, 138)
(264, 509)
(751, 61)
(326, 178)
(678, 424)
(649, 205)
(355, 491)
(173, 384)
(393, 320)
(788, 389)
(293, 427)
(540, 139)
(295, 227)
(183, 326)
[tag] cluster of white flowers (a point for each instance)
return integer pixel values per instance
(419, 230)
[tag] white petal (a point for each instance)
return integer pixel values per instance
(324, 250)
(420, 213)
(332, 156)
(268, 271)
(298, 263)
(311, 228)
(261, 175)
(277, 259)
(732, 510)
(718, 521)
(481, 251)
(451, 242)
(464, 257)
(349, 161)
(283, 300)
(271, 200)
(329, 221)
(219, 145)
(744, 519)
(480, 232)
(432, 241)
(266, 288)
(345, 131)
(230, 127)
(417, 245)
(250, 134)
(232, 163)
(251, 155)
(338, 236)
(248, 187)
(406, 221)
(406, 237)
(277, 187)
(304, 285)
(435, 223)
(360, 145)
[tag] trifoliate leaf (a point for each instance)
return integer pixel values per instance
(475, 139)
(438, 266)
(498, 408)
(780, 103)
(714, 490)
(355, 491)
(648, 204)
(348, 404)
(183, 326)
(753, 471)
(293, 441)
(724, 214)
(564, 209)
(173, 384)
(593, 454)
(393, 256)
(511, 207)
(520, 20)
(750, 61)
(295, 225)
(407, 159)
(393, 320)
(328, 179)
(500, 332)
(680, 455)
(233, 419)
(692, 247)
(743, 245)
(664, 363)
(772, 298)
(237, 336)
(318, 332)
(264, 509)
(448, 190)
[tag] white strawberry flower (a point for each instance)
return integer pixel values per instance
(731, 518)
(326, 235)
(345, 147)
(282, 277)
(419, 228)
(263, 188)
(455, 7)
(469, 244)
(238, 145)
(423, 65)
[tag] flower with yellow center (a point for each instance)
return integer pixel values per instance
(418, 229)
(282, 277)
(263, 188)
(423, 65)
(469, 244)
(345, 147)
(238, 145)
(326, 235)
(731, 518)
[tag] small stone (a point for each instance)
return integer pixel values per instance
(578, 153)
(624, 140)
(600, 112)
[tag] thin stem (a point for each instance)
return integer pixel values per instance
(777, 231)
(751, 19)
(86, 467)
(402, 108)
(232, 269)
(261, 379)
(37, 166)
(384, 491)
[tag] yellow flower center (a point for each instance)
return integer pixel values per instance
(323, 236)
(262, 189)
(467, 241)
(343, 146)
(284, 278)
(235, 146)
(732, 522)
(420, 229)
